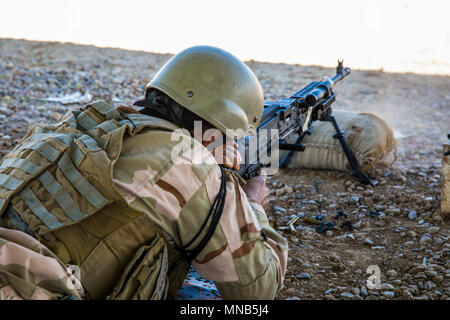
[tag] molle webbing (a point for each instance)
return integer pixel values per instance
(60, 174)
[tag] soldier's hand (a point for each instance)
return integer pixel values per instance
(256, 190)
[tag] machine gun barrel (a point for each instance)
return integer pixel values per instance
(324, 89)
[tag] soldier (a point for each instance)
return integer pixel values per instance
(112, 192)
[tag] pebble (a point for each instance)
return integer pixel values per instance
(426, 239)
(387, 286)
(437, 219)
(347, 295)
(353, 200)
(279, 209)
(433, 230)
(333, 257)
(412, 215)
(411, 234)
(357, 225)
(364, 292)
(407, 294)
(388, 294)
(429, 285)
(303, 276)
(288, 190)
(392, 273)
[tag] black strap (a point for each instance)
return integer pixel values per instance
(214, 214)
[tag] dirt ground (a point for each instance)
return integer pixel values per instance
(396, 226)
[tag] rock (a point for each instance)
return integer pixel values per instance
(353, 200)
(426, 239)
(433, 230)
(388, 294)
(387, 286)
(333, 257)
(391, 273)
(293, 298)
(437, 219)
(399, 229)
(411, 234)
(288, 190)
(347, 295)
(303, 276)
(357, 224)
(395, 211)
(363, 291)
(329, 233)
(412, 215)
(369, 241)
(407, 294)
(329, 291)
(279, 209)
(429, 285)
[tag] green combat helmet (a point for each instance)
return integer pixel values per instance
(216, 86)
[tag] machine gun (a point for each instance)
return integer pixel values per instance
(292, 117)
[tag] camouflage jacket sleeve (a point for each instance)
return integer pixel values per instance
(28, 270)
(176, 190)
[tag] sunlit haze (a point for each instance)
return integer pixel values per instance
(396, 35)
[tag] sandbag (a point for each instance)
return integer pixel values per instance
(369, 137)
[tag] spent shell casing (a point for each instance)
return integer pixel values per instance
(313, 221)
(292, 221)
(292, 228)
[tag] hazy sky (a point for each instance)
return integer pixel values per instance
(398, 35)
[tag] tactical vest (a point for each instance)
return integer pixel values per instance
(57, 185)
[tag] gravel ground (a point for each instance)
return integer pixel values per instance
(396, 226)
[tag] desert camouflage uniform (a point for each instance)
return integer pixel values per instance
(28, 270)
(177, 194)
(115, 235)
